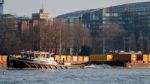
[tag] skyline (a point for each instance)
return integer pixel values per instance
(27, 7)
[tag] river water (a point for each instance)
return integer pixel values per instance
(97, 75)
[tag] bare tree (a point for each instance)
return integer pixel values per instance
(112, 36)
(60, 37)
(81, 36)
(9, 35)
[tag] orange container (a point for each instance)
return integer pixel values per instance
(4, 58)
(69, 58)
(145, 58)
(86, 59)
(75, 58)
(80, 59)
(133, 58)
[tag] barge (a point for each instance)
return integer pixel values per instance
(137, 65)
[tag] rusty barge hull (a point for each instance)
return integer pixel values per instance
(138, 65)
(21, 64)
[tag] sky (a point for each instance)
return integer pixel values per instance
(58, 7)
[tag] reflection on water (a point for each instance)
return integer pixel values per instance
(97, 75)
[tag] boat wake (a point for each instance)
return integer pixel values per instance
(90, 66)
(103, 66)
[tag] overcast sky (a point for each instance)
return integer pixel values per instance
(58, 7)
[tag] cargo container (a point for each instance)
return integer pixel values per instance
(72, 59)
(122, 57)
(145, 58)
(63, 58)
(75, 58)
(139, 57)
(69, 58)
(115, 57)
(80, 59)
(58, 58)
(100, 58)
(109, 57)
(86, 59)
(133, 58)
(3, 60)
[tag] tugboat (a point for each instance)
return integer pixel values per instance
(38, 60)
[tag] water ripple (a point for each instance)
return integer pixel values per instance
(99, 75)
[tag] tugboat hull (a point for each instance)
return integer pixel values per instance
(23, 64)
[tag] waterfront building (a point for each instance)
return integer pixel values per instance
(42, 15)
(39, 20)
(8, 31)
(134, 18)
(8, 22)
(21, 31)
(24, 24)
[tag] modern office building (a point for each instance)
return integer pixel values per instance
(133, 17)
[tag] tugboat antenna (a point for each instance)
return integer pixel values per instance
(42, 4)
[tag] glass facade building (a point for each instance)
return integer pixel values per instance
(133, 17)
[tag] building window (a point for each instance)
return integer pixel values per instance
(111, 14)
